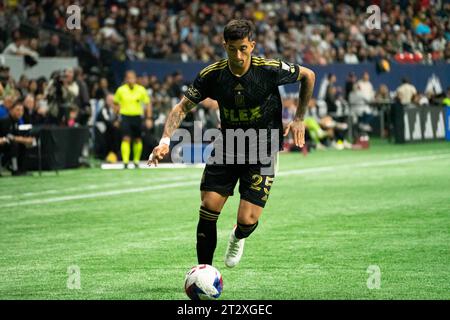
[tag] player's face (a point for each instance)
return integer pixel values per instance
(239, 52)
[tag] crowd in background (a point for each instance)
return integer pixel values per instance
(67, 100)
(305, 32)
(308, 32)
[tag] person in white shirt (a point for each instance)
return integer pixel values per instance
(366, 88)
(350, 56)
(405, 92)
(19, 48)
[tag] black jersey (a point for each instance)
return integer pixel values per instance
(250, 101)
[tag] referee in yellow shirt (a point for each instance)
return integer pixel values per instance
(132, 98)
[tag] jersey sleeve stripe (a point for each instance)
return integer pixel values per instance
(258, 61)
(263, 59)
(215, 68)
(214, 65)
(266, 64)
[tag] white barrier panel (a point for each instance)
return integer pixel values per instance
(44, 67)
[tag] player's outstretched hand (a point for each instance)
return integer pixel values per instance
(298, 132)
(158, 154)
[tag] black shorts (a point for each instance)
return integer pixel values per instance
(131, 126)
(254, 186)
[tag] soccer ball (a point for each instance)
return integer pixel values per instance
(203, 282)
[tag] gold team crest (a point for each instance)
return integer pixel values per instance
(239, 99)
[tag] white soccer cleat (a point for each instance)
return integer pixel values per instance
(234, 251)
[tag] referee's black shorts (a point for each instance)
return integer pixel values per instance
(254, 186)
(131, 126)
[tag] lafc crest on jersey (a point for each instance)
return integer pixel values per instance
(239, 99)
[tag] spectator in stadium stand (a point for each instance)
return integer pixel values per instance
(331, 95)
(74, 112)
(41, 110)
(177, 82)
(360, 109)
(61, 94)
(42, 85)
(22, 85)
(405, 92)
(102, 89)
(19, 48)
(108, 127)
(447, 52)
(12, 142)
(383, 101)
(29, 109)
(350, 56)
(35, 111)
(32, 87)
(8, 101)
(52, 48)
(109, 31)
(325, 131)
(316, 137)
(382, 96)
(7, 84)
(319, 31)
(71, 83)
(349, 83)
(83, 99)
(366, 87)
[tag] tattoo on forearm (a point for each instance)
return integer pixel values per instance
(173, 122)
(187, 105)
(176, 117)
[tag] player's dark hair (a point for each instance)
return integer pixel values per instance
(238, 29)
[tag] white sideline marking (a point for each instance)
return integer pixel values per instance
(100, 194)
(196, 182)
(97, 186)
(361, 165)
(143, 165)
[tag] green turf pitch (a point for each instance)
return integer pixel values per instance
(330, 216)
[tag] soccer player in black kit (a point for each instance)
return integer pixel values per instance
(246, 89)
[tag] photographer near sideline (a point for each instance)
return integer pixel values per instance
(13, 142)
(61, 93)
(82, 98)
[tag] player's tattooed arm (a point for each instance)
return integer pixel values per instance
(307, 78)
(177, 115)
(297, 126)
(174, 120)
